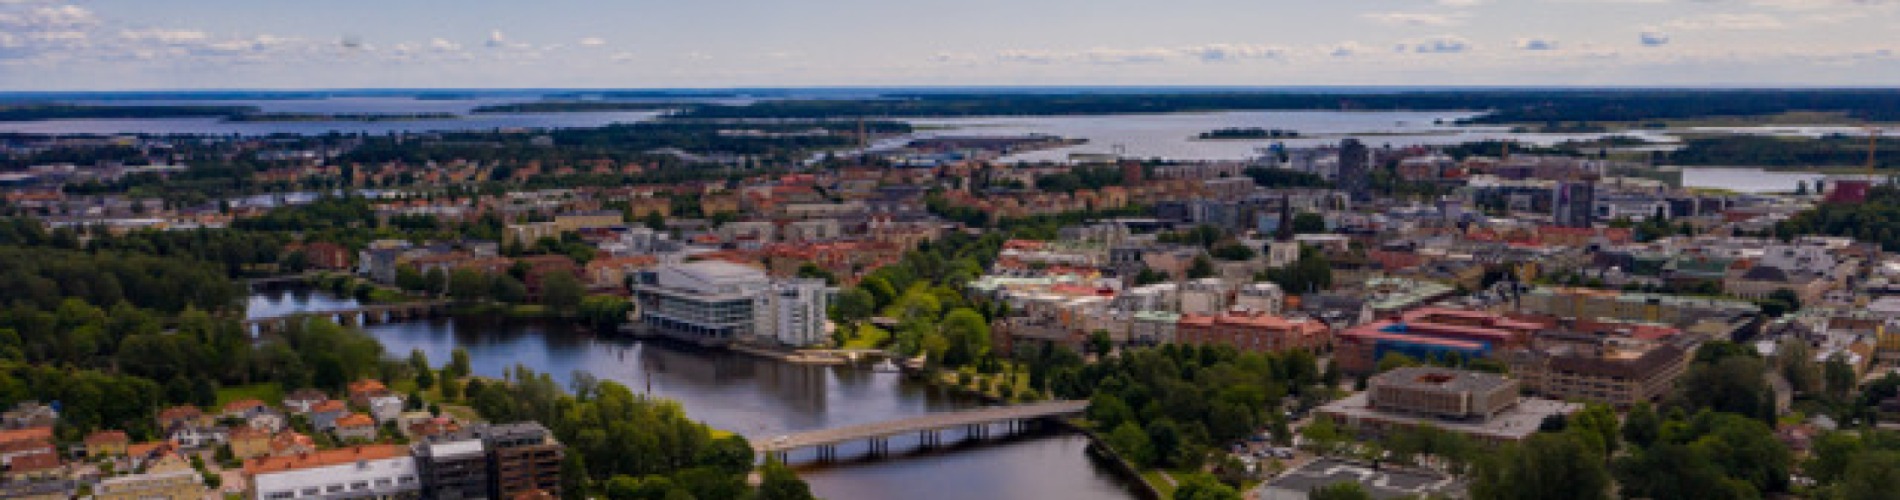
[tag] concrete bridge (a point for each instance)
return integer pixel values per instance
(355, 316)
(929, 428)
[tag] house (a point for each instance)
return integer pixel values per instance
(250, 442)
(107, 443)
(270, 421)
(303, 400)
(41, 466)
(355, 426)
(291, 443)
(196, 436)
(386, 408)
(18, 443)
(361, 391)
(29, 414)
(244, 409)
(182, 415)
(323, 416)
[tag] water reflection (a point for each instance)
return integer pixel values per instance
(762, 399)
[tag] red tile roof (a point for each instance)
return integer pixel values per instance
(325, 458)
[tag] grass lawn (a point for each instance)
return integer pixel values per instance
(869, 337)
(269, 393)
(1160, 480)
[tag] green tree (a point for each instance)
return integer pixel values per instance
(604, 311)
(1345, 490)
(561, 292)
(1642, 427)
(967, 334)
(508, 289)
(854, 305)
(1308, 223)
(458, 363)
(1545, 466)
(469, 285)
(1870, 476)
(1200, 268)
(1132, 443)
(778, 482)
(1100, 343)
(1204, 487)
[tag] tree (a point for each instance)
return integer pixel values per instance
(435, 280)
(408, 278)
(1344, 490)
(778, 482)
(1100, 343)
(561, 292)
(1642, 427)
(967, 335)
(604, 311)
(459, 365)
(1200, 268)
(1129, 440)
(509, 289)
(853, 305)
(1840, 377)
(1870, 476)
(1670, 471)
(1545, 466)
(1204, 487)
(1598, 423)
(1308, 222)
(469, 285)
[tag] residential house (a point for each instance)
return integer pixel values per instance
(303, 400)
(29, 414)
(183, 415)
(323, 416)
(107, 443)
(250, 442)
(355, 426)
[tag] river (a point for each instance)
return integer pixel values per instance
(761, 399)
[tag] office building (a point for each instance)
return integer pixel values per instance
(715, 303)
(453, 467)
(354, 472)
(1355, 170)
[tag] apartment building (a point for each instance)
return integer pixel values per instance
(1253, 332)
(1620, 372)
(1427, 333)
(354, 472)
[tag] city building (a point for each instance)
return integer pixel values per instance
(1253, 332)
(380, 471)
(453, 467)
(1596, 368)
(1479, 405)
(715, 303)
(1355, 170)
(1428, 333)
(526, 458)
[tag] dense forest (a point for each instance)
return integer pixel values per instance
(34, 112)
(1749, 150)
(1506, 106)
(572, 107)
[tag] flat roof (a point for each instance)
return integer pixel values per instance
(1513, 424)
(1384, 483)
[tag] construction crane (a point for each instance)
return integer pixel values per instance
(1873, 144)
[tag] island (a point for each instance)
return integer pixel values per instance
(1233, 133)
(573, 107)
(340, 117)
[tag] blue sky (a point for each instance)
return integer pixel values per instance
(167, 44)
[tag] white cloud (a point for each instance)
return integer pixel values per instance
(443, 45)
(593, 41)
(170, 37)
(1728, 22)
(1535, 44)
(1235, 52)
(1414, 18)
(1461, 3)
(1653, 38)
(1445, 44)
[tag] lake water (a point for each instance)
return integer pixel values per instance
(1746, 180)
(762, 399)
(1175, 135)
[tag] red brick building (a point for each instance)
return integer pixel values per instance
(1253, 332)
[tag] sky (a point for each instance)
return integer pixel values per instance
(301, 44)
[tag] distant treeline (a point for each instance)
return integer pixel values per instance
(342, 117)
(36, 112)
(572, 107)
(1748, 150)
(1249, 133)
(1505, 106)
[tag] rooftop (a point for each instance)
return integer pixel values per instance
(324, 458)
(1513, 424)
(1440, 379)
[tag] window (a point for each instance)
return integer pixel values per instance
(359, 486)
(334, 488)
(384, 482)
(406, 479)
(280, 495)
(311, 492)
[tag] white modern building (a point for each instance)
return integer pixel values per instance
(715, 303)
(374, 471)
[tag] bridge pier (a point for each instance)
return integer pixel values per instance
(880, 446)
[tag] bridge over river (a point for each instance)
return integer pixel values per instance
(975, 422)
(354, 316)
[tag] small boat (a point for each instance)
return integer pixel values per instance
(885, 366)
